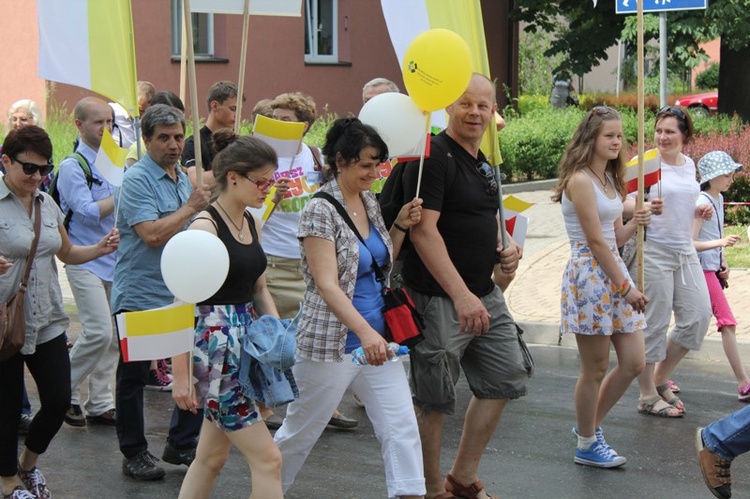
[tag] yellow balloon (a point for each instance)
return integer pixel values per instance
(437, 69)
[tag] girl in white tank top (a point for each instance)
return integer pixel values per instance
(599, 304)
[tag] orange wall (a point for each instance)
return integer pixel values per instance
(19, 39)
(713, 49)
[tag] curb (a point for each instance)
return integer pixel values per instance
(536, 185)
(546, 333)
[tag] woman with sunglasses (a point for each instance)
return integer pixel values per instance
(26, 159)
(243, 170)
(600, 304)
(344, 310)
(672, 272)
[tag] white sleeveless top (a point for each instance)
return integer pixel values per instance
(608, 210)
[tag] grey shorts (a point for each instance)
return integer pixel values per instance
(496, 364)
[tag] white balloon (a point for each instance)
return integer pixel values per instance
(194, 265)
(398, 120)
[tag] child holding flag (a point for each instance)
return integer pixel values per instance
(717, 172)
(600, 304)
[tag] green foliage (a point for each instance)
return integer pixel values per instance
(708, 79)
(535, 68)
(529, 103)
(63, 133)
(316, 136)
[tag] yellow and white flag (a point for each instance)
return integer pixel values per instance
(156, 334)
(283, 136)
(407, 19)
(110, 160)
(89, 44)
(290, 8)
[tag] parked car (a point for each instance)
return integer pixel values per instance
(700, 105)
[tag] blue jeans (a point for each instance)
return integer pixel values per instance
(730, 436)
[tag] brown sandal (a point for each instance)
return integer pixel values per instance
(464, 491)
(675, 400)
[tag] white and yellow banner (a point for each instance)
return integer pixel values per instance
(89, 44)
(407, 19)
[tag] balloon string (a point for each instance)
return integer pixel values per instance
(421, 151)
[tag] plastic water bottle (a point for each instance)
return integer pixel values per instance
(358, 355)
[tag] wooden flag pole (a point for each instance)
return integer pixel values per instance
(193, 93)
(243, 63)
(421, 152)
(641, 139)
(183, 62)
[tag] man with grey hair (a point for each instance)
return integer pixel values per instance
(377, 86)
(157, 203)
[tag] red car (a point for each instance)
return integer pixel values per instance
(700, 105)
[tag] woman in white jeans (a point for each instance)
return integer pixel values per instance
(343, 310)
(672, 273)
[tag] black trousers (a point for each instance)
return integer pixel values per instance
(131, 379)
(50, 368)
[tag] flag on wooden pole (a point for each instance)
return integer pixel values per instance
(89, 44)
(156, 334)
(651, 170)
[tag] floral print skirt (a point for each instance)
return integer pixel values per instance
(590, 303)
(216, 365)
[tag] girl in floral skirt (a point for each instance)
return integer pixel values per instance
(600, 304)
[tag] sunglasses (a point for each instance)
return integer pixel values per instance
(261, 184)
(676, 111)
(32, 168)
(488, 173)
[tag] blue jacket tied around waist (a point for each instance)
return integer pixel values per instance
(267, 358)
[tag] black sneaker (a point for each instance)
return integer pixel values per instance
(176, 456)
(74, 416)
(142, 467)
(24, 424)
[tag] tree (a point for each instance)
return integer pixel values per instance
(591, 31)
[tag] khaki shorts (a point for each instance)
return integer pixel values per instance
(286, 284)
(496, 364)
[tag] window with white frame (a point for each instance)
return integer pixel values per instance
(203, 32)
(321, 30)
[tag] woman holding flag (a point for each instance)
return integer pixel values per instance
(27, 159)
(243, 170)
(672, 272)
(600, 303)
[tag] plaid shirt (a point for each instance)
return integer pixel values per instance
(321, 337)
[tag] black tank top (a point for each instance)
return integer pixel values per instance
(247, 262)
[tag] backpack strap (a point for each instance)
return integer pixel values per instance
(90, 180)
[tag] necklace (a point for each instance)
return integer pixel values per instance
(242, 223)
(603, 182)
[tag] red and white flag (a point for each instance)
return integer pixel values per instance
(651, 170)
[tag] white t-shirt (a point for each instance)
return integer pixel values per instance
(679, 189)
(710, 231)
(280, 230)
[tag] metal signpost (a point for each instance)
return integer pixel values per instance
(661, 6)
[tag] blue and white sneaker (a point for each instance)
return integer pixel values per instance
(599, 433)
(599, 456)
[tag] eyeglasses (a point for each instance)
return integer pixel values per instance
(261, 184)
(32, 168)
(488, 173)
(672, 110)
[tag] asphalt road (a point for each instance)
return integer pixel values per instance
(531, 455)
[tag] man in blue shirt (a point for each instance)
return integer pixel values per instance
(94, 354)
(157, 202)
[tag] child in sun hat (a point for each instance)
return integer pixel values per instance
(717, 170)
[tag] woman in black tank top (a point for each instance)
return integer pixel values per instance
(243, 170)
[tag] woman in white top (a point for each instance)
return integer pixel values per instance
(672, 273)
(600, 304)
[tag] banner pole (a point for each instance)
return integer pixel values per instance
(641, 138)
(243, 63)
(193, 93)
(183, 61)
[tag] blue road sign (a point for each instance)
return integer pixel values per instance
(631, 6)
